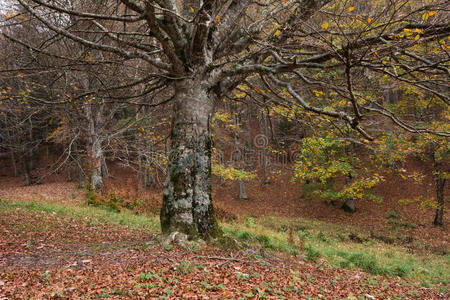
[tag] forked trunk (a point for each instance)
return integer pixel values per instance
(187, 206)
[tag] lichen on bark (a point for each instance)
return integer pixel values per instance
(187, 204)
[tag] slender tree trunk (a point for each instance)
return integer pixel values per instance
(239, 156)
(94, 149)
(140, 174)
(47, 156)
(187, 205)
(349, 204)
(13, 162)
(79, 163)
(242, 191)
(266, 162)
(27, 168)
(105, 171)
(3, 167)
(37, 157)
(221, 180)
(95, 163)
(248, 156)
(440, 185)
(69, 172)
(148, 176)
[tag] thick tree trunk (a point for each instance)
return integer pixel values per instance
(187, 204)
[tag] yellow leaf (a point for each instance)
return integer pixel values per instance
(369, 20)
(192, 9)
(325, 25)
(425, 16)
(351, 8)
(431, 13)
(277, 32)
(417, 37)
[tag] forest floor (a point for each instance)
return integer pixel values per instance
(55, 246)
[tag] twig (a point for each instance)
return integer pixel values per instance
(232, 259)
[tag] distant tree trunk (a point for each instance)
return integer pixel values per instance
(265, 160)
(79, 163)
(440, 185)
(239, 157)
(187, 205)
(249, 147)
(13, 162)
(349, 204)
(149, 180)
(242, 191)
(221, 180)
(69, 172)
(47, 156)
(140, 173)
(148, 176)
(95, 154)
(37, 166)
(105, 171)
(3, 163)
(94, 147)
(26, 161)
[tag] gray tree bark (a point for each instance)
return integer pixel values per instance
(94, 147)
(187, 206)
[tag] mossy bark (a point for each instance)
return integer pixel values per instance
(187, 205)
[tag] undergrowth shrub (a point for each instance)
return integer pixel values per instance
(117, 201)
(394, 219)
(92, 198)
(311, 253)
(393, 214)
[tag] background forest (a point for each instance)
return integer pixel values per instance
(287, 131)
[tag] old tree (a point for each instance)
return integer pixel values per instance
(193, 53)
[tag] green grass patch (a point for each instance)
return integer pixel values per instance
(92, 215)
(344, 246)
